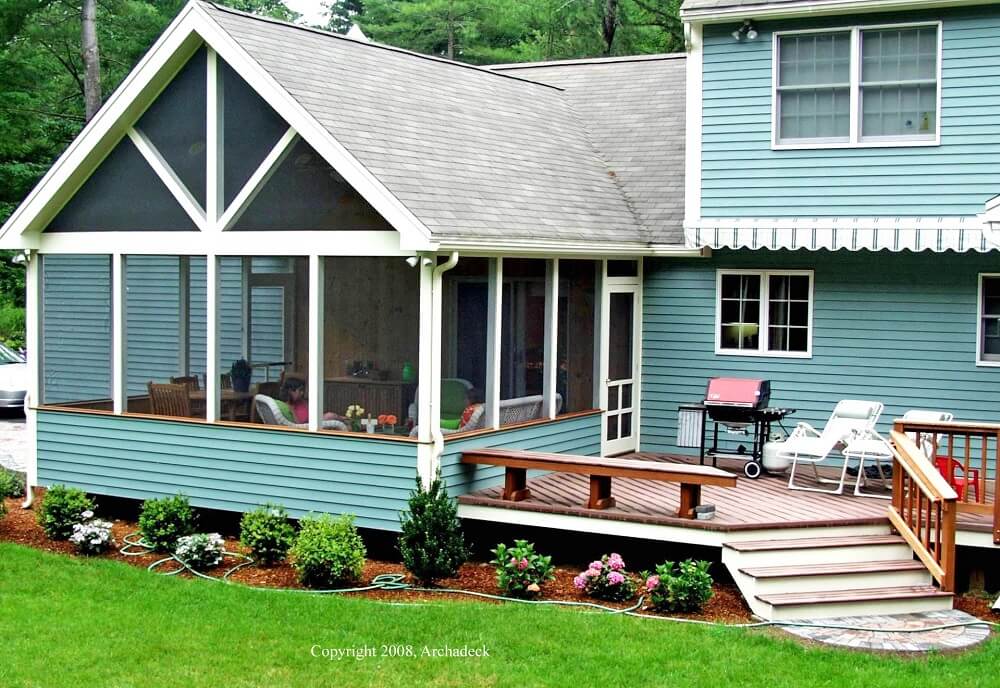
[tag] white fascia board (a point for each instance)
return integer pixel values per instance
(233, 243)
(414, 235)
(807, 8)
(485, 246)
(169, 53)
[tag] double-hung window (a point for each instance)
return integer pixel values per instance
(761, 312)
(989, 320)
(864, 86)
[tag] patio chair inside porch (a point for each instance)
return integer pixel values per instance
(270, 413)
(851, 420)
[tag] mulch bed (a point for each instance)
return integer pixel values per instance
(20, 526)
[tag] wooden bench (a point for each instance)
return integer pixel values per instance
(601, 471)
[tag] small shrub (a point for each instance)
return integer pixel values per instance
(11, 483)
(12, 325)
(684, 588)
(267, 533)
(63, 508)
(607, 579)
(431, 542)
(328, 551)
(520, 570)
(201, 551)
(92, 535)
(163, 521)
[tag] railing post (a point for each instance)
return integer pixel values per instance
(947, 554)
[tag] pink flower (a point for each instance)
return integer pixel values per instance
(513, 561)
(580, 582)
(616, 563)
(652, 583)
(615, 578)
(522, 565)
(591, 573)
(596, 565)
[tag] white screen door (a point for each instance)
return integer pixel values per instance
(621, 304)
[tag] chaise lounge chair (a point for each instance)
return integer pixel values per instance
(851, 419)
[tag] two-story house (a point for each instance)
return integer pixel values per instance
(549, 258)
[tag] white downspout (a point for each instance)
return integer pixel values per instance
(33, 343)
(436, 320)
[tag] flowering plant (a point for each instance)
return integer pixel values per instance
(201, 551)
(685, 588)
(92, 535)
(520, 570)
(387, 419)
(354, 414)
(606, 579)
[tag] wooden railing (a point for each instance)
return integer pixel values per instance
(923, 509)
(969, 453)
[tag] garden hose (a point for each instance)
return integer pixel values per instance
(136, 546)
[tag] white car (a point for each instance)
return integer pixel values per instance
(13, 378)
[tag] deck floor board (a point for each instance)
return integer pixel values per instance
(752, 504)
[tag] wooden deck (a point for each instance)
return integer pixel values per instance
(762, 504)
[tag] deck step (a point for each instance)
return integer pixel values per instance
(847, 568)
(814, 543)
(783, 599)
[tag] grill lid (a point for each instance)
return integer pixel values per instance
(739, 392)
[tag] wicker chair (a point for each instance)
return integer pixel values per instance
(169, 400)
(270, 414)
(512, 411)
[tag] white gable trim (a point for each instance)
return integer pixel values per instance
(179, 41)
(169, 179)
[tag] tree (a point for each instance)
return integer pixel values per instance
(342, 14)
(91, 55)
(276, 9)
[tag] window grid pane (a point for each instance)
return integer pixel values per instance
(788, 312)
(899, 82)
(990, 318)
(740, 312)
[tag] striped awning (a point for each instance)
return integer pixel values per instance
(852, 234)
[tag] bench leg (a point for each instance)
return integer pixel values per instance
(600, 493)
(515, 486)
(690, 498)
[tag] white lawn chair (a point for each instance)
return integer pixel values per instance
(850, 419)
(872, 446)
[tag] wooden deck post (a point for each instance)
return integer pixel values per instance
(948, 509)
(690, 498)
(515, 486)
(600, 493)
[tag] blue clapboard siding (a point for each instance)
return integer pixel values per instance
(76, 327)
(152, 312)
(570, 436)
(743, 177)
(233, 469)
(897, 328)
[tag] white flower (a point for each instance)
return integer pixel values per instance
(87, 514)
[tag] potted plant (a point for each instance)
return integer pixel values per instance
(241, 372)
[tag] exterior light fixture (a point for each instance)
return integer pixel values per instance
(746, 29)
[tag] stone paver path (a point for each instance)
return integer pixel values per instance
(954, 638)
(13, 443)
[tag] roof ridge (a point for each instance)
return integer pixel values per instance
(370, 44)
(588, 61)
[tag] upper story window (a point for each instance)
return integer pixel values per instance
(989, 320)
(865, 86)
(760, 312)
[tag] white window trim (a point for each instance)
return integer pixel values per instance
(980, 361)
(854, 140)
(762, 350)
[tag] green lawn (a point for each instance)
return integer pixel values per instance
(76, 622)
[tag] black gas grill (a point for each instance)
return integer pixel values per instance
(740, 405)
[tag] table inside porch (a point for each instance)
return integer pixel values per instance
(235, 405)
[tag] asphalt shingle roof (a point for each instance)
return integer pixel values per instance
(634, 111)
(474, 154)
